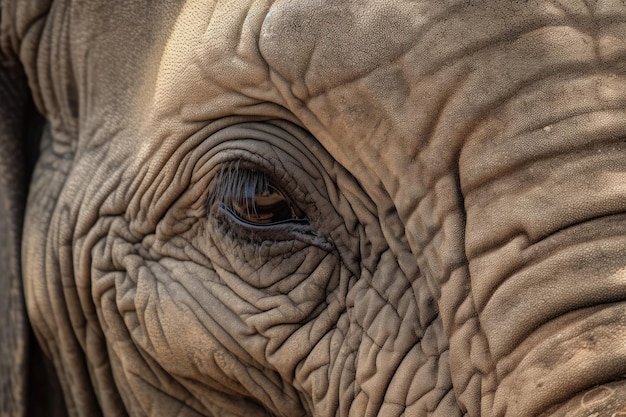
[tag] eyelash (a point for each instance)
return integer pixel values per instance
(252, 198)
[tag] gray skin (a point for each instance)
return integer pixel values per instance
(457, 174)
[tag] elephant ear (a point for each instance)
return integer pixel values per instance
(28, 387)
(14, 332)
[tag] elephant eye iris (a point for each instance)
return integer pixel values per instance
(251, 197)
(265, 207)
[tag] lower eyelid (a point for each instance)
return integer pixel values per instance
(245, 222)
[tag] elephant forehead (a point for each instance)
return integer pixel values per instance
(233, 53)
(327, 40)
(373, 81)
(324, 44)
(219, 50)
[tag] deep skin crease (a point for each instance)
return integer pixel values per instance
(455, 172)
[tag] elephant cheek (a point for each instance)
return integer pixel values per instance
(387, 354)
(196, 343)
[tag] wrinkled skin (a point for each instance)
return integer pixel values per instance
(460, 172)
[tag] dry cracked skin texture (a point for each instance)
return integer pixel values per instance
(328, 208)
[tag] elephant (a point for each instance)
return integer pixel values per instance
(313, 208)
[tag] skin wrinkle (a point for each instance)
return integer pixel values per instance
(22, 40)
(483, 110)
(508, 364)
(188, 394)
(593, 138)
(611, 292)
(294, 78)
(527, 236)
(582, 349)
(539, 252)
(373, 217)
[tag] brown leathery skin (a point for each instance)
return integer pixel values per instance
(460, 166)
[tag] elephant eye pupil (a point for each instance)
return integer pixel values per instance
(251, 197)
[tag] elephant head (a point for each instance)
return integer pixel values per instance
(320, 208)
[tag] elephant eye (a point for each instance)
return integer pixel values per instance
(250, 196)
